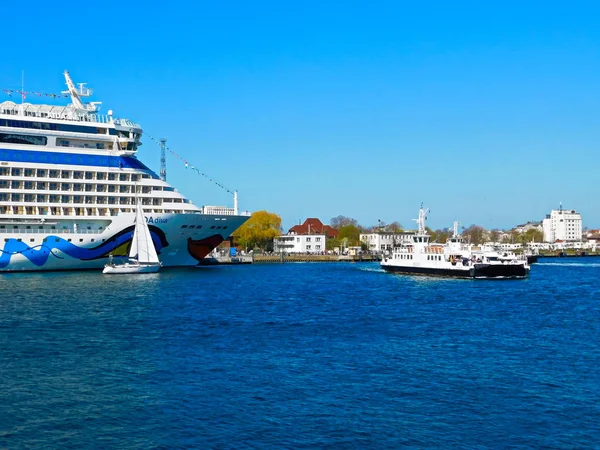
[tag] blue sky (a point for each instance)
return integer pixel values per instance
(487, 112)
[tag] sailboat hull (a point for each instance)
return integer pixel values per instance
(131, 268)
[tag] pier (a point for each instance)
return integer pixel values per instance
(568, 254)
(286, 258)
(290, 258)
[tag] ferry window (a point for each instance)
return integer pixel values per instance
(93, 240)
(16, 172)
(184, 226)
(31, 240)
(213, 227)
(80, 240)
(67, 239)
(100, 176)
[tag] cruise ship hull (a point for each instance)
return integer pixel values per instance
(180, 240)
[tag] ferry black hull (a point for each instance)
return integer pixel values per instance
(481, 271)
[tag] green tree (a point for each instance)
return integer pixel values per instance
(438, 236)
(342, 221)
(331, 243)
(259, 231)
(534, 235)
(474, 234)
(494, 235)
(394, 227)
(351, 233)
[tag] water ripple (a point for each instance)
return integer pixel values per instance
(300, 356)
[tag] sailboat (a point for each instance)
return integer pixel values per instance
(142, 254)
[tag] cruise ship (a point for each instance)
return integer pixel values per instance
(69, 183)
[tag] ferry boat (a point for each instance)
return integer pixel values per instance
(69, 177)
(452, 259)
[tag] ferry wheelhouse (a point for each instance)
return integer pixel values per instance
(69, 179)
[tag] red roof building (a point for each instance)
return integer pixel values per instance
(313, 226)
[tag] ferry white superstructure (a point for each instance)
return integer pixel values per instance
(68, 182)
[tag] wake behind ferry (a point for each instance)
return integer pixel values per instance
(69, 177)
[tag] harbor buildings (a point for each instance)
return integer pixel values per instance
(299, 243)
(562, 225)
(384, 241)
(308, 237)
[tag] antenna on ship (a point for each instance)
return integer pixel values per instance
(455, 229)
(76, 95)
(421, 220)
(163, 160)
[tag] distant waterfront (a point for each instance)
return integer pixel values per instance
(300, 356)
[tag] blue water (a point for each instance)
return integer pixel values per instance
(301, 356)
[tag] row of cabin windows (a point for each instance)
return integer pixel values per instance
(87, 199)
(32, 139)
(404, 256)
(84, 144)
(71, 174)
(80, 187)
(12, 138)
(75, 211)
(61, 127)
(434, 257)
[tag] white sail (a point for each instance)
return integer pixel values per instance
(133, 249)
(142, 240)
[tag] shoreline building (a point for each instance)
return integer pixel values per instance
(382, 241)
(562, 225)
(309, 237)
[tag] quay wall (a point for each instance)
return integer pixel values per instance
(312, 258)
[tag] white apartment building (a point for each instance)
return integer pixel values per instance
(562, 225)
(385, 241)
(299, 243)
